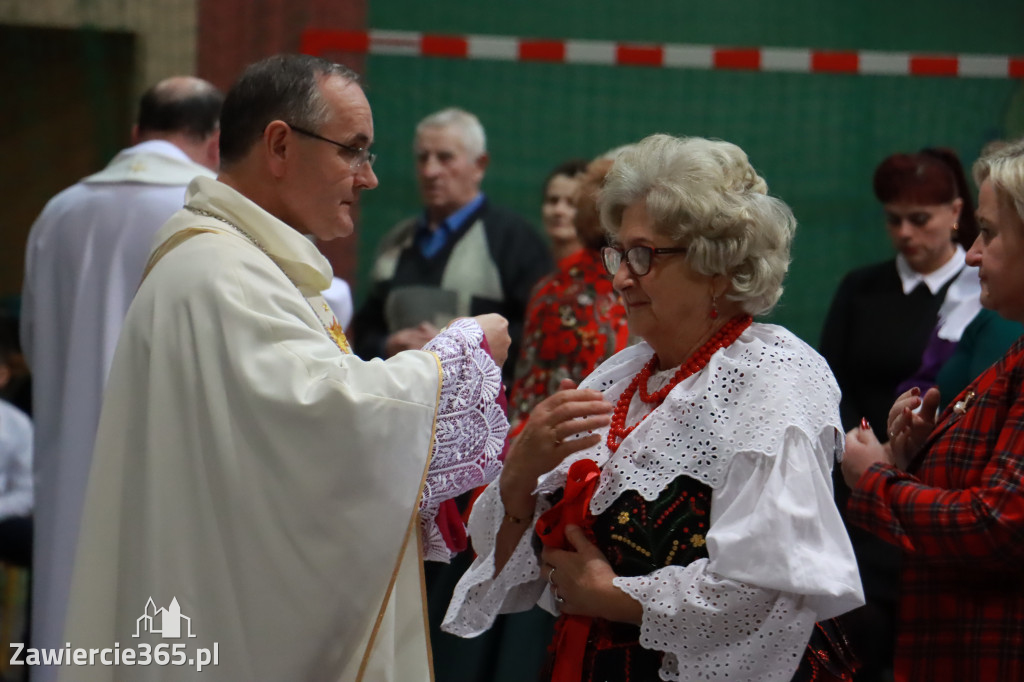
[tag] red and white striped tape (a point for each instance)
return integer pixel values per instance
(670, 56)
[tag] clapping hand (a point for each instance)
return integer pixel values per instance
(911, 419)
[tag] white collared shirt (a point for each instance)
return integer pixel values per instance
(933, 280)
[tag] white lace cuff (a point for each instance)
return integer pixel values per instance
(470, 429)
(713, 628)
(480, 595)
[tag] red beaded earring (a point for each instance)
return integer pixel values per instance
(714, 307)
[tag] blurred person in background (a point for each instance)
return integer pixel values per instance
(16, 435)
(463, 255)
(83, 263)
(897, 324)
(559, 207)
(18, 389)
(947, 488)
(575, 319)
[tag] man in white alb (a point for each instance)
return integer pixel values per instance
(83, 263)
(251, 474)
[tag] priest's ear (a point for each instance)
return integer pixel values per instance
(278, 146)
(210, 150)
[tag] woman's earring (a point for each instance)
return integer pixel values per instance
(714, 307)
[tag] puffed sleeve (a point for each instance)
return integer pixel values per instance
(480, 595)
(778, 561)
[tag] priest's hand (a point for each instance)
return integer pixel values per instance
(496, 332)
(547, 439)
(862, 450)
(581, 582)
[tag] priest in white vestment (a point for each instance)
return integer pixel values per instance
(83, 263)
(258, 491)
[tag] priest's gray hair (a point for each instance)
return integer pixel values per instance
(704, 195)
(284, 87)
(1004, 168)
(466, 125)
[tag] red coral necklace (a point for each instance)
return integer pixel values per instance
(724, 337)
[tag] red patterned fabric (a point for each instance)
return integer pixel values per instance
(574, 322)
(958, 515)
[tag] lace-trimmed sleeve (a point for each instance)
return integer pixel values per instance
(470, 430)
(778, 561)
(480, 595)
(711, 627)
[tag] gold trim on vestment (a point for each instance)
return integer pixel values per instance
(413, 527)
(174, 240)
(419, 538)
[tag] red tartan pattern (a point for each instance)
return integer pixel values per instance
(574, 322)
(958, 515)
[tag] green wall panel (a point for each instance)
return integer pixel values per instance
(815, 138)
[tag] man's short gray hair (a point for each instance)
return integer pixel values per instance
(705, 195)
(282, 87)
(467, 125)
(1004, 167)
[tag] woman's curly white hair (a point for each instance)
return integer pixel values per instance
(704, 195)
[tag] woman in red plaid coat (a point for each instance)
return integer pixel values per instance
(949, 488)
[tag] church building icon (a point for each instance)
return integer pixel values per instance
(164, 622)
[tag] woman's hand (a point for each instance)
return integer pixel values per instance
(538, 449)
(908, 426)
(543, 443)
(581, 582)
(862, 450)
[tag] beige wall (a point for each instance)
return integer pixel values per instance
(165, 29)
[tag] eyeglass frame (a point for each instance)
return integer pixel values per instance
(363, 155)
(624, 257)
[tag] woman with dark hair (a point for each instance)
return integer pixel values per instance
(575, 320)
(911, 321)
(929, 216)
(558, 209)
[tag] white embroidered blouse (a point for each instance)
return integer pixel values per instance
(760, 426)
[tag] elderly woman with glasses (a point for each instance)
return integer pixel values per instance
(681, 497)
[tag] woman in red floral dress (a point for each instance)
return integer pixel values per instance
(575, 319)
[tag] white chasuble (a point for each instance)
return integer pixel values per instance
(261, 481)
